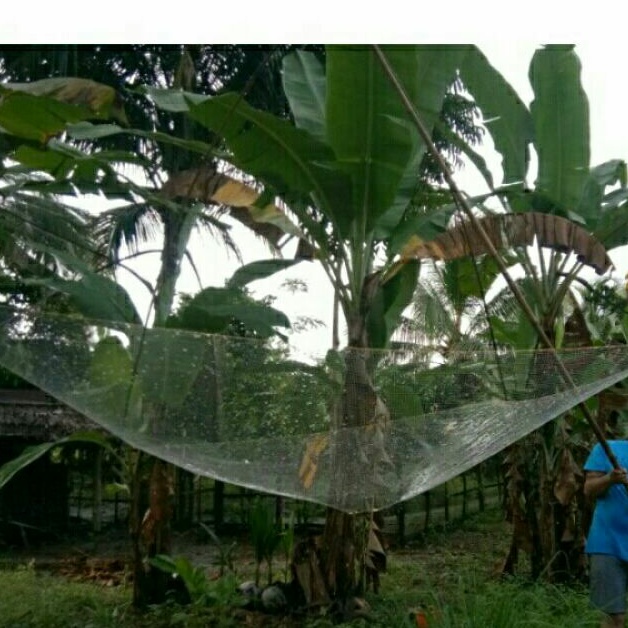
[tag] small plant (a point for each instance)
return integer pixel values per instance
(194, 578)
(202, 590)
(225, 553)
(265, 536)
(286, 540)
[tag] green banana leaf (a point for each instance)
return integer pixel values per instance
(306, 89)
(95, 296)
(259, 270)
(390, 299)
(31, 454)
(370, 131)
(292, 162)
(506, 117)
(560, 111)
(600, 177)
(213, 309)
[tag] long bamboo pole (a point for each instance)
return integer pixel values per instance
(461, 202)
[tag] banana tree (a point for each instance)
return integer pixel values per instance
(571, 219)
(545, 481)
(566, 186)
(347, 172)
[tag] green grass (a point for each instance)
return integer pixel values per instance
(33, 600)
(29, 599)
(512, 605)
(449, 577)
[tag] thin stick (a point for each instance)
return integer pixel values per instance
(464, 206)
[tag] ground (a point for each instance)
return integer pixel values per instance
(424, 574)
(450, 575)
(481, 539)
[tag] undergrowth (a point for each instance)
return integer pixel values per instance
(447, 579)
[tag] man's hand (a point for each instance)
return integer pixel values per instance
(618, 476)
(597, 483)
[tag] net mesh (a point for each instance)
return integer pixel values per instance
(240, 410)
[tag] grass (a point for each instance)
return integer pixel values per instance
(28, 598)
(448, 576)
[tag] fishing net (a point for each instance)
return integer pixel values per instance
(240, 410)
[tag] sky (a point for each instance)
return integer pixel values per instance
(327, 21)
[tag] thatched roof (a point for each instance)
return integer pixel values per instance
(37, 417)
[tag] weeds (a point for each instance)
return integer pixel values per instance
(32, 600)
(287, 541)
(226, 553)
(448, 583)
(265, 537)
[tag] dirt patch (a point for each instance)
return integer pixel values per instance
(480, 544)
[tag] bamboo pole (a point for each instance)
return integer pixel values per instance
(461, 202)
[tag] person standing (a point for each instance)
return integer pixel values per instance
(607, 540)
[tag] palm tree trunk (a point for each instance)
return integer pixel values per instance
(150, 528)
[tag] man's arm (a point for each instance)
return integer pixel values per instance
(597, 483)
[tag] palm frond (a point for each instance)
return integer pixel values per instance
(128, 226)
(218, 230)
(34, 227)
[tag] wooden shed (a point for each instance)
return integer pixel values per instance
(37, 497)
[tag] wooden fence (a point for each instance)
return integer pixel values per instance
(227, 508)
(469, 493)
